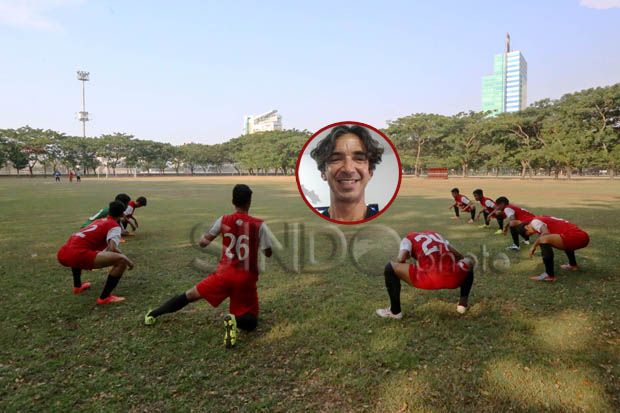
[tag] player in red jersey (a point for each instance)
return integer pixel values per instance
(438, 266)
(96, 246)
(237, 272)
(462, 203)
(556, 233)
(516, 218)
(488, 208)
(129, 211)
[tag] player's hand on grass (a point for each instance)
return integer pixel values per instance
(533, 250)
(129, 262)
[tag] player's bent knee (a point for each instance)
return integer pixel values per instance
(247, 322)
(192, 294)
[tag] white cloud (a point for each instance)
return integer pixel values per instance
(33, 14)
(600, 4)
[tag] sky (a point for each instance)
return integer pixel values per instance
(189, 71)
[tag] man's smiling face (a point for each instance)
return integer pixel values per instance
(347, 169)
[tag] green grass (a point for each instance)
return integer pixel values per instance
(319, 346)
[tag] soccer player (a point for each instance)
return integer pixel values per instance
(461, 202)
(131, 207)
(103, 212)
(438, 266)
(236, 274)
(556, 233)
(96, 246)
(516, 218)
(488, 206)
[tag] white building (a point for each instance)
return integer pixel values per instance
(269, 121)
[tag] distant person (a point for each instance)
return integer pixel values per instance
(71, 176)
(78, 176)
(96, 246)
(462, 203)
(57, 176)
(488, 206)
(438, 265)
(516, 218)
(556, 233)
(243, 236)
(347, 158)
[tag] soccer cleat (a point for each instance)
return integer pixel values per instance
(123, 240)
(569, 267)
(461, 309)
(513, 247)
(78, 290)
(387, 313)
(149, 320)
(110, 299)
(483, 226)
(470, 221)
(230, 335)
(543, 277)
(499, 232)
(526, 242)
(455, 217)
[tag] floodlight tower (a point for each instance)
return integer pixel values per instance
(83, 115)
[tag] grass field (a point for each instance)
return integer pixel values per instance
(319, 347)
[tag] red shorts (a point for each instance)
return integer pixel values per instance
(77, 258)
(574, 240)
(235, 283)
(435, 280)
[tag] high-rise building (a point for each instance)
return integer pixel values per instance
(266, 122)
(506, 89)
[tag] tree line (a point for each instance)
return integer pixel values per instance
(580, 132)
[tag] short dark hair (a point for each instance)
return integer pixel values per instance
(242, 196)
(502, 200)
(124, 198)
(116, 209)
(324, 149)
(141, 200)
(455, 190)
(478, 192)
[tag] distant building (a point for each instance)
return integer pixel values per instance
(506, 89)
(266, 122)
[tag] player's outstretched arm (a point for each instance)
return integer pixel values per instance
(206, 240)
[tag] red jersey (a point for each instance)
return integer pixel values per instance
(131, 206)
(96, 235)
(430, 251)
(243, 236)
(520, 214)
(487, 204)
(462, 201)
(554, 225)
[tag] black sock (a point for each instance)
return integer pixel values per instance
(473, 213)
(170, 306)
(547, 254)
(466, 288)
(571, 258)
(77, 277)
(247, 322)
(515, 235)
(500, 222)
(456, 211)
(392, 283)
(110, 284)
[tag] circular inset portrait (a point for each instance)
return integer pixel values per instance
(348, 172)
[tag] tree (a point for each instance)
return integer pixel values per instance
(114, 149)
(465, 138)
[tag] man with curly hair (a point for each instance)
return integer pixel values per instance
(347, 158)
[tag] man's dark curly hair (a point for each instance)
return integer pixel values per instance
(325, 148)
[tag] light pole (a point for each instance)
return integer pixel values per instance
(83, 115)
